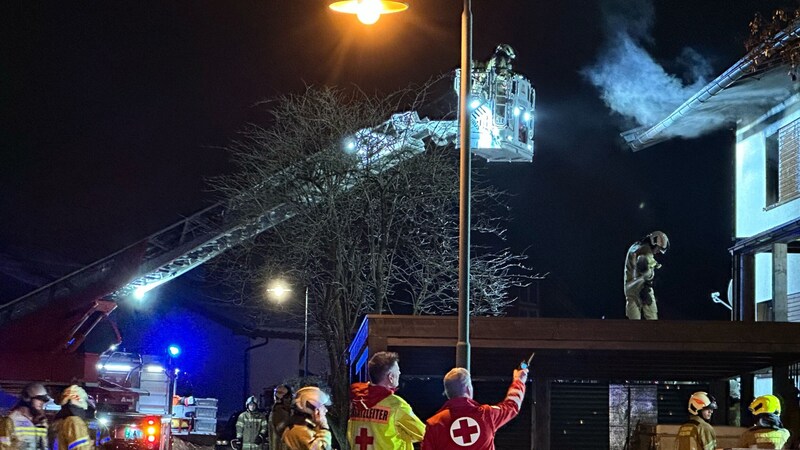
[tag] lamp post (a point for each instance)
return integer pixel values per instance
(372, 9)
(305, 337)
(278, 291)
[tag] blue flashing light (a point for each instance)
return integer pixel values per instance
(474, 104)
(517, 111)
(174, 350)
(526, 116)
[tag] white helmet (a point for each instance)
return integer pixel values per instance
(507, 50)
(310, 398)
(75, 395)
(35, 391)
(252, 399)
(700, 401)
(660, 239)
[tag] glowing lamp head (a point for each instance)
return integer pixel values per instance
(368, 11)
(174, 350)
(139, 292)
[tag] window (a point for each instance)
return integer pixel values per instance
(783, 165)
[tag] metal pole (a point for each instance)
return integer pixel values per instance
(305, 338)
(465, 188)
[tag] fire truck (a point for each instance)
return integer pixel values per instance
(132, 395)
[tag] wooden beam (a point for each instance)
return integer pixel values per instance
(780, 303)
(541, 416)
(745, 287)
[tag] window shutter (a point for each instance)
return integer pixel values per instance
(789, 162)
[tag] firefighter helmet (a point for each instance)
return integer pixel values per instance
(35, 391)
(310, 398)
(505, 49)
(251, 400)
(700, 401)
(281, 391)
(766, 404)
(76, 395)
(660, 239)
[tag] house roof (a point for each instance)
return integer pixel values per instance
(591, 349)
(744, 91)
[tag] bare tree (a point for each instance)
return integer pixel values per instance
(373, 218)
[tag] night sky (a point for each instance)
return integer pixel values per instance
(114, 114)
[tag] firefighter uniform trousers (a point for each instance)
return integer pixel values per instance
(464, 424)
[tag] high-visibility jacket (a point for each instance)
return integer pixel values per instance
(696, 434)
(464, 424)
(764, 437)
(251, 426)
(70, 433)
(379, 419)
(7, 439)
(17, 432)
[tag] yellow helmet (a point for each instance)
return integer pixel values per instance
(76, 395)
(700, 401)
(766, 404)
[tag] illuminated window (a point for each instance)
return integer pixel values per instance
(783, 165)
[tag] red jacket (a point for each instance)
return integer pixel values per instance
(464, 424)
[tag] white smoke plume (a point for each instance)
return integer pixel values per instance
(631, 82)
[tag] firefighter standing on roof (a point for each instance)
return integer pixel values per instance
(25, 428)
(640, 266)
(378, 417)
(69, 430)
(251, 427)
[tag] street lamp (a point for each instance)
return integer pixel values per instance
(368, 11)
(279, 291)
(465, 186)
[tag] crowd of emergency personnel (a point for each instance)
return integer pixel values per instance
(27, 427)
(379, 418)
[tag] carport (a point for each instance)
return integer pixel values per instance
(588, 350)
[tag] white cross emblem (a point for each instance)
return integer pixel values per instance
(465, 431)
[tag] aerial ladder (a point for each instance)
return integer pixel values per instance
(502, 117)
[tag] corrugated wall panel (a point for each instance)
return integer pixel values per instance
(794, 307)
(673, 400)
(579, 416)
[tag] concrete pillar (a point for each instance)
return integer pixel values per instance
(780, 303)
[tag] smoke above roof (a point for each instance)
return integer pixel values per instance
(630, 80)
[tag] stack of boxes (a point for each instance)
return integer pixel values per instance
(201, 417)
